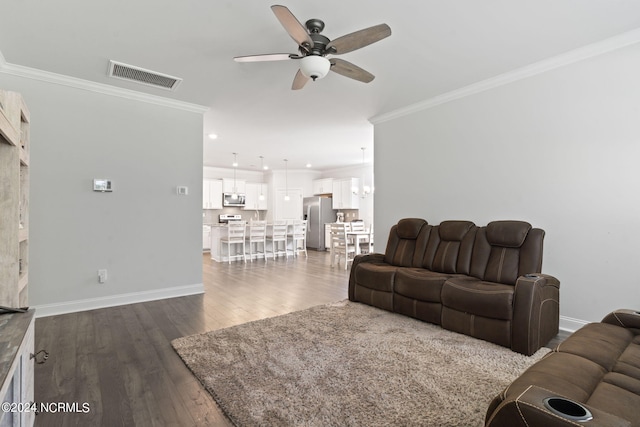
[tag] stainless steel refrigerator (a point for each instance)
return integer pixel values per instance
(318, 212)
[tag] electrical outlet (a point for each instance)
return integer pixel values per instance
(102, 276)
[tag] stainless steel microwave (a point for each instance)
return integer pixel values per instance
(229, 200)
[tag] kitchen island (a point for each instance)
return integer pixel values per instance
(219, 252)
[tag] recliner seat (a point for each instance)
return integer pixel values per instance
(594, 373)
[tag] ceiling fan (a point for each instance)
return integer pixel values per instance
(313, 48)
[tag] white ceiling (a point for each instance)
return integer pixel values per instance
(436, 46)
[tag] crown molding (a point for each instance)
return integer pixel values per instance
(595, 49)
(59, 79)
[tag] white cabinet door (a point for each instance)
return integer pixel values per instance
(228, 185)
(206, 188)
(206, 237)
(212, 194)
(323, 186)
(336, 201)
(343, 193)
(253, 200)
(350, 196)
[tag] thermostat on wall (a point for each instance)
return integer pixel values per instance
(102, 185)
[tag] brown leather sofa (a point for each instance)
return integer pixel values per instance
(591, 379)
(480, 281)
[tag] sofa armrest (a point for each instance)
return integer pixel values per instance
(536, 312)
(532, 408)
(371, 257)
(629, 319)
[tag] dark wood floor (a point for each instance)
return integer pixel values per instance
(120, 361)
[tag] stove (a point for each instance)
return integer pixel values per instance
(224, 219)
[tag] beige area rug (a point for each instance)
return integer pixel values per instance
(348, 364)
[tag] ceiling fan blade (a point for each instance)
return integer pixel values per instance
(299, 81)
(347, 69)
(295, 29)
(359, 39)
(266, 57)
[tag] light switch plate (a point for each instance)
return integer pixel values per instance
(183, 191)
(102, 185)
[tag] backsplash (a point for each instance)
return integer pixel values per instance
(210, 216)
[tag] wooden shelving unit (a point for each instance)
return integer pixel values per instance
(14, 200)
(17, 329)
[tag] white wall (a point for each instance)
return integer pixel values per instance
(241, 174)
(560, 150)
(146, 236)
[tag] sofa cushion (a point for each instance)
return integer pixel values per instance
(409, 228)
(616, 400)
(508, 234)
(478, 297)
(564, 374)
(601, 343)
(407, 242)
(377, 276)
(449, 247)
(419, 284)
(506, 250)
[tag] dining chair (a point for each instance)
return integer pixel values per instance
(236, 231)
(341, 247)
(257, 235)
(365, 243)
(278, 238)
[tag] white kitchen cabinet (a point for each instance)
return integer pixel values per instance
(228, 186)
(323, 186)
(344, 196)
(17, 369)
(253, 190)
(212, 194)
(206, 237)
(327, 236)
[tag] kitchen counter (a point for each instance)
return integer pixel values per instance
(219, 253)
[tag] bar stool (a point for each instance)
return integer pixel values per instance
(235, 236)
(257, 236)
(278, 235)
(299, 236)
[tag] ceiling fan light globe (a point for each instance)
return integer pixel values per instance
(314, 66)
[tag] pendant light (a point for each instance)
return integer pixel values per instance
(286, 181)
(234, 195)
(261, 196)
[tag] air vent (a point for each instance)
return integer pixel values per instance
(140, 75)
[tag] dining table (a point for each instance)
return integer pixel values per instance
(360, 236)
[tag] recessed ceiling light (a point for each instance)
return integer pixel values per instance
(265, 167)
(308, 165)
(212, 136)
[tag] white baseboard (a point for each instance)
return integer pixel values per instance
(570, 324)
(115, 300)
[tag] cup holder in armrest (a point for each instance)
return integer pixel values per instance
(567, 408)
